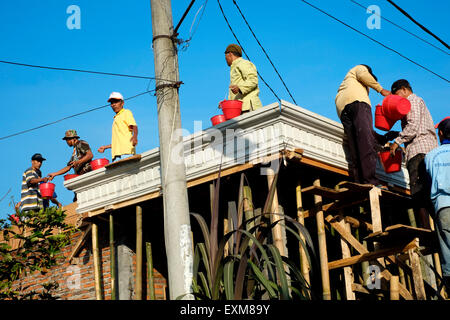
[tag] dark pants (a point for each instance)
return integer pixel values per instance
(358, 126)
(420, 187)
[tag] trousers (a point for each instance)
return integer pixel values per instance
(358, 126)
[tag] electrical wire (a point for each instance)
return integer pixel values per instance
(421, 26)
(79, 70)
(71, 116)
(376, 41)
(231, 29)
(393, 23)
(250, 28)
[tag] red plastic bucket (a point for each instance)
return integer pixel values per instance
(99, 163)
(70, 176)
(395, 107)
(218, 119)
(231, 108)
(381, 122)
(391, 164)
(46, 190)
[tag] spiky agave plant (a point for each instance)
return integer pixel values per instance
(251, 262)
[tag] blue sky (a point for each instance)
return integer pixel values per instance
(311, 51)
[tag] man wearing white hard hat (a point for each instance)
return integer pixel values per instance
(124, 130)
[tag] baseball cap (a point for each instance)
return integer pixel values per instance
(115, 95)
(38, 157)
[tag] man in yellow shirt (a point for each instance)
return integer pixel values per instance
(353, 108)
(124, 129)
(243, 79)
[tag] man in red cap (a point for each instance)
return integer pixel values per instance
(437, 163)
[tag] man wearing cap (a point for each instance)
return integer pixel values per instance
(243, 79)
(30, 198)
(124, 129)
(354, 110)
(81, 155)
(437, 163)
(419, 137)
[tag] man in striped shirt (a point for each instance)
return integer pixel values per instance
(419, 137)
(30, 197)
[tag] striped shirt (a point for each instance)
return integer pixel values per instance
(30, 197)
(418, 132)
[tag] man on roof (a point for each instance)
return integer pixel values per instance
(80, 158)
(124, 129)
(354, 110)
(419, 137)
(437, 163)
(243, 79)
(30, 197)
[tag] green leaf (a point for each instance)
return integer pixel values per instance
(259, 276)
(280, 271)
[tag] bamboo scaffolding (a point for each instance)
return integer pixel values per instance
(151, 281)
(138, 253)
(301, 219)
(276, 231)
(322, 245)
(112, 257)
(97, 261)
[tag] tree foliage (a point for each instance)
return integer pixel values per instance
(41, 235)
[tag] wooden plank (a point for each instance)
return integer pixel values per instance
(401, 233)
(394, 291)
(135, 158)
(324, 166)
(419, 287)
(375, 211)
(357, 223)
(328, 193)
(345, 234)
(334, 206)
(370, 256)
(80, 242)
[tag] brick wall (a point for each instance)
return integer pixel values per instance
(72, 287)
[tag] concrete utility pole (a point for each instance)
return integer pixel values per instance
(177, 228)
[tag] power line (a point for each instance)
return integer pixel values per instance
(385, 46)
(231, 29)
(79, 70)
(284, 84)
(393, 23)
(71, 116)
(421, 26)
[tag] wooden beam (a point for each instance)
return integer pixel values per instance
(357, 223)
(324, 166)
(419, 287)
(370, 256)
(80, 242)
(393, 288)
(345, 234)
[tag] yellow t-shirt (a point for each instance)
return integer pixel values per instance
(122, 134)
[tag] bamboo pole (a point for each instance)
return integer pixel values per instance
(97, 261)
(393, 287)
(276, 231)
(151, 282)
(322, 245)
(138, 253)
(301, 219)
(112, 257)
(437, 264)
